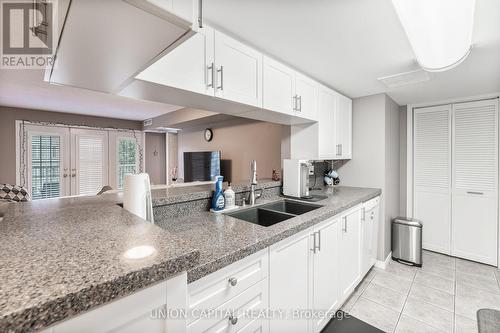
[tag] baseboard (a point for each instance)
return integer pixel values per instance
(383, 264)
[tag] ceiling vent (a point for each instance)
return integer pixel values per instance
(404, 79)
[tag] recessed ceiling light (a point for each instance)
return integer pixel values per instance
(139, 252)
(439, 31)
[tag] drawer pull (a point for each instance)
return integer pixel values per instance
(233, 281)
(233, 320)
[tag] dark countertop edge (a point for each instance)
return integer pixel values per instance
(87, 299)
(210, 267)
(207, 193)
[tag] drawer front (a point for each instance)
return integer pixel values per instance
(219, 287)
(253, 299)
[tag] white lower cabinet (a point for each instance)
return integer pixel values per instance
(350, 254)
(133, 313)
(232, 315)
(290, 277)
(325, 294)
(369, 234)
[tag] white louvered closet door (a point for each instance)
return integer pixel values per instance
(475, 181)
(432, 175)
(89, 161)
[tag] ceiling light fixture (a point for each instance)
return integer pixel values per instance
(439, 31)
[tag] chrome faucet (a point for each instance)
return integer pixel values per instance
(252, 196)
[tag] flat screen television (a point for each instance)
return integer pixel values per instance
(201, 165)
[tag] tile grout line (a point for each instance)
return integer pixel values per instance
(404, 304)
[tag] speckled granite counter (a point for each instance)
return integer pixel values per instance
(60, 257)
(222, 239)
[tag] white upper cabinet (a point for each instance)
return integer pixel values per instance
(288, 91)
(238, 71)
(343, 127)
(327, 113)
(190, 66)
(306, 96)
(278, 87)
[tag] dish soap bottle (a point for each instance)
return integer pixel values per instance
(218, 200)
(230, 196)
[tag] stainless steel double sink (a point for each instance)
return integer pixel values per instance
(274, 212)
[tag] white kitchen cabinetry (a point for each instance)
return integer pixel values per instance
(335, 125)
(214, 64)
(190, 66)
(290, 277)
(316, 269)
(238, 71)
(306, 91)
(287, 91)
(326, 271)
(343, 128)
(350, 254)
(278, 87)
(369, 234)
(129, 314)
(327, 119)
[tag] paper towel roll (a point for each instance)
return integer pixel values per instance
(137, 196)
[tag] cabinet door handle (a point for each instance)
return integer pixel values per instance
(340, 149)
(300, 104)
(314, 242)
(344, 227)
(73, 173)
(212, 75)
(233, 281)
(295, 102)
(363, 213)
(221, 71)
(200, 13)
(473, 192)
(233, 320)
(319, 240)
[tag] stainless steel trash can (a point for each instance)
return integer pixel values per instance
(407, 241)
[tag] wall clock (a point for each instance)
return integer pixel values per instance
(209, 135)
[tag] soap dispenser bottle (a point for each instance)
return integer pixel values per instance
(229, 196)
(218, 201)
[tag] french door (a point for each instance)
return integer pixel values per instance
(47, 158)
(60, 161)
(89, 161)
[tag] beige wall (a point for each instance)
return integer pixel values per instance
(155, 157)
(9, 115)
(240, 143)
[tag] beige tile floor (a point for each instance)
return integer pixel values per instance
(442, 296)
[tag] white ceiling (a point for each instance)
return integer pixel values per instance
(348, 44)
(26, 89)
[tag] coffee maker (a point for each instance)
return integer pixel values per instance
(296, 178)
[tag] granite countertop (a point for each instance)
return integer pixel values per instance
(61, 257)
(222, 239)
(176, 194)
